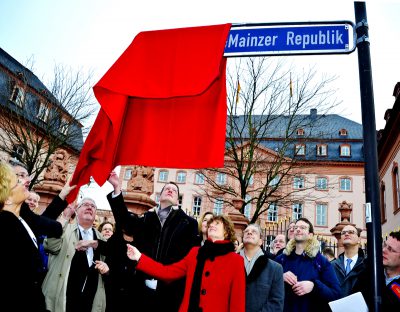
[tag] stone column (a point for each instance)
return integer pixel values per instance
(240, 222)
(140, 187)
(345, 209)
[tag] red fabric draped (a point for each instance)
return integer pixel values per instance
(163, 104)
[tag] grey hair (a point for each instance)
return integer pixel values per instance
(86, 199)
(258, 227)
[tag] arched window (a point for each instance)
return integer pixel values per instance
(396, 187)
(343, 132)
(383, 202)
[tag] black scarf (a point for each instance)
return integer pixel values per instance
(209, 251)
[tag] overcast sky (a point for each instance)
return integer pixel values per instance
(92, 34)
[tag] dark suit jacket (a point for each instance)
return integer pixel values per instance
(20, 263)
(45, 224)
(167, 245)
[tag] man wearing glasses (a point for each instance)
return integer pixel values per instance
(391, 265)
(351, 263)
(310, 281)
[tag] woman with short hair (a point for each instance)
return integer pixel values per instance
(215, 278)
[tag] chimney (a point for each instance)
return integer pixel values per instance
(313, 113)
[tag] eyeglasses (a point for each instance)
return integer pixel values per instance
(16, 184)
(301, 227)
(88, 205)
(23, 175)
(350, 232)
(389, 248)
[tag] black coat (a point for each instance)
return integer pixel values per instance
(347, 282)
(20, 287)
(167, 244)
(45, 224)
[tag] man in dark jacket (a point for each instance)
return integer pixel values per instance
(310, 281)
(264, 277)
(164, 233)
(351, 263)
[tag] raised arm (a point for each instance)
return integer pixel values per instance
(167, 273)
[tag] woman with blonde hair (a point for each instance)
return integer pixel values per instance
(20, 261)
(215, 278)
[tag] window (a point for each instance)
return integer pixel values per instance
(342, 132)
(218, 206)
(383, 203)
(199, 178)
(300, 132)
(272, 212)
(251, 180)
(64, 127)
(274, 181)
(196, 205)
(298, 182)
(396, 187)
(322, 150)
(345, 150)
(128, 174)
(321, 183)
(181, 177)
(221, 178)
(180, 200)
(300, 150)
(18, 96)
(345, 184)
(163, 176)
(297, 211)
(247, 208)
(18, 151)
(321, 215)
(43, 113)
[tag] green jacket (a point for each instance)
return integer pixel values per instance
(54, 287)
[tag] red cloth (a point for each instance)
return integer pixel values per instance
(223, 288)
(163, 104)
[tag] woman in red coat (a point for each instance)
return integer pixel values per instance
(215, 276)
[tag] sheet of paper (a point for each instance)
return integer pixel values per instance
(352, 303)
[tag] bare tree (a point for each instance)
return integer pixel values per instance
(36, 121)
(268, 102)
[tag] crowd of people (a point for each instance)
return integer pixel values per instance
(62, 259)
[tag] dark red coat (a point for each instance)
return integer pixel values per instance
(223, 284)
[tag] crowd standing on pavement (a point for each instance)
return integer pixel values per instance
(62, 259)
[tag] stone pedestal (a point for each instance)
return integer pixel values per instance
(138, 202)
(345, 211)
(238, 219)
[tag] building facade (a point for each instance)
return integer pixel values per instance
(30, 115)
(329, 171)
(389, 160)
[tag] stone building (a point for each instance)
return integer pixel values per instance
(26, 103)
(329, 171)
(389, 160)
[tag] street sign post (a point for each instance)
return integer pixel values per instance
(290, 39)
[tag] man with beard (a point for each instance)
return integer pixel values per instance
(264, 277)
(310, 281)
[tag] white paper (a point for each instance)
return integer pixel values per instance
(352, 303)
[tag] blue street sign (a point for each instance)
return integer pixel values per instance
(251, 40)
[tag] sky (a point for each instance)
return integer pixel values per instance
(92, 34)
